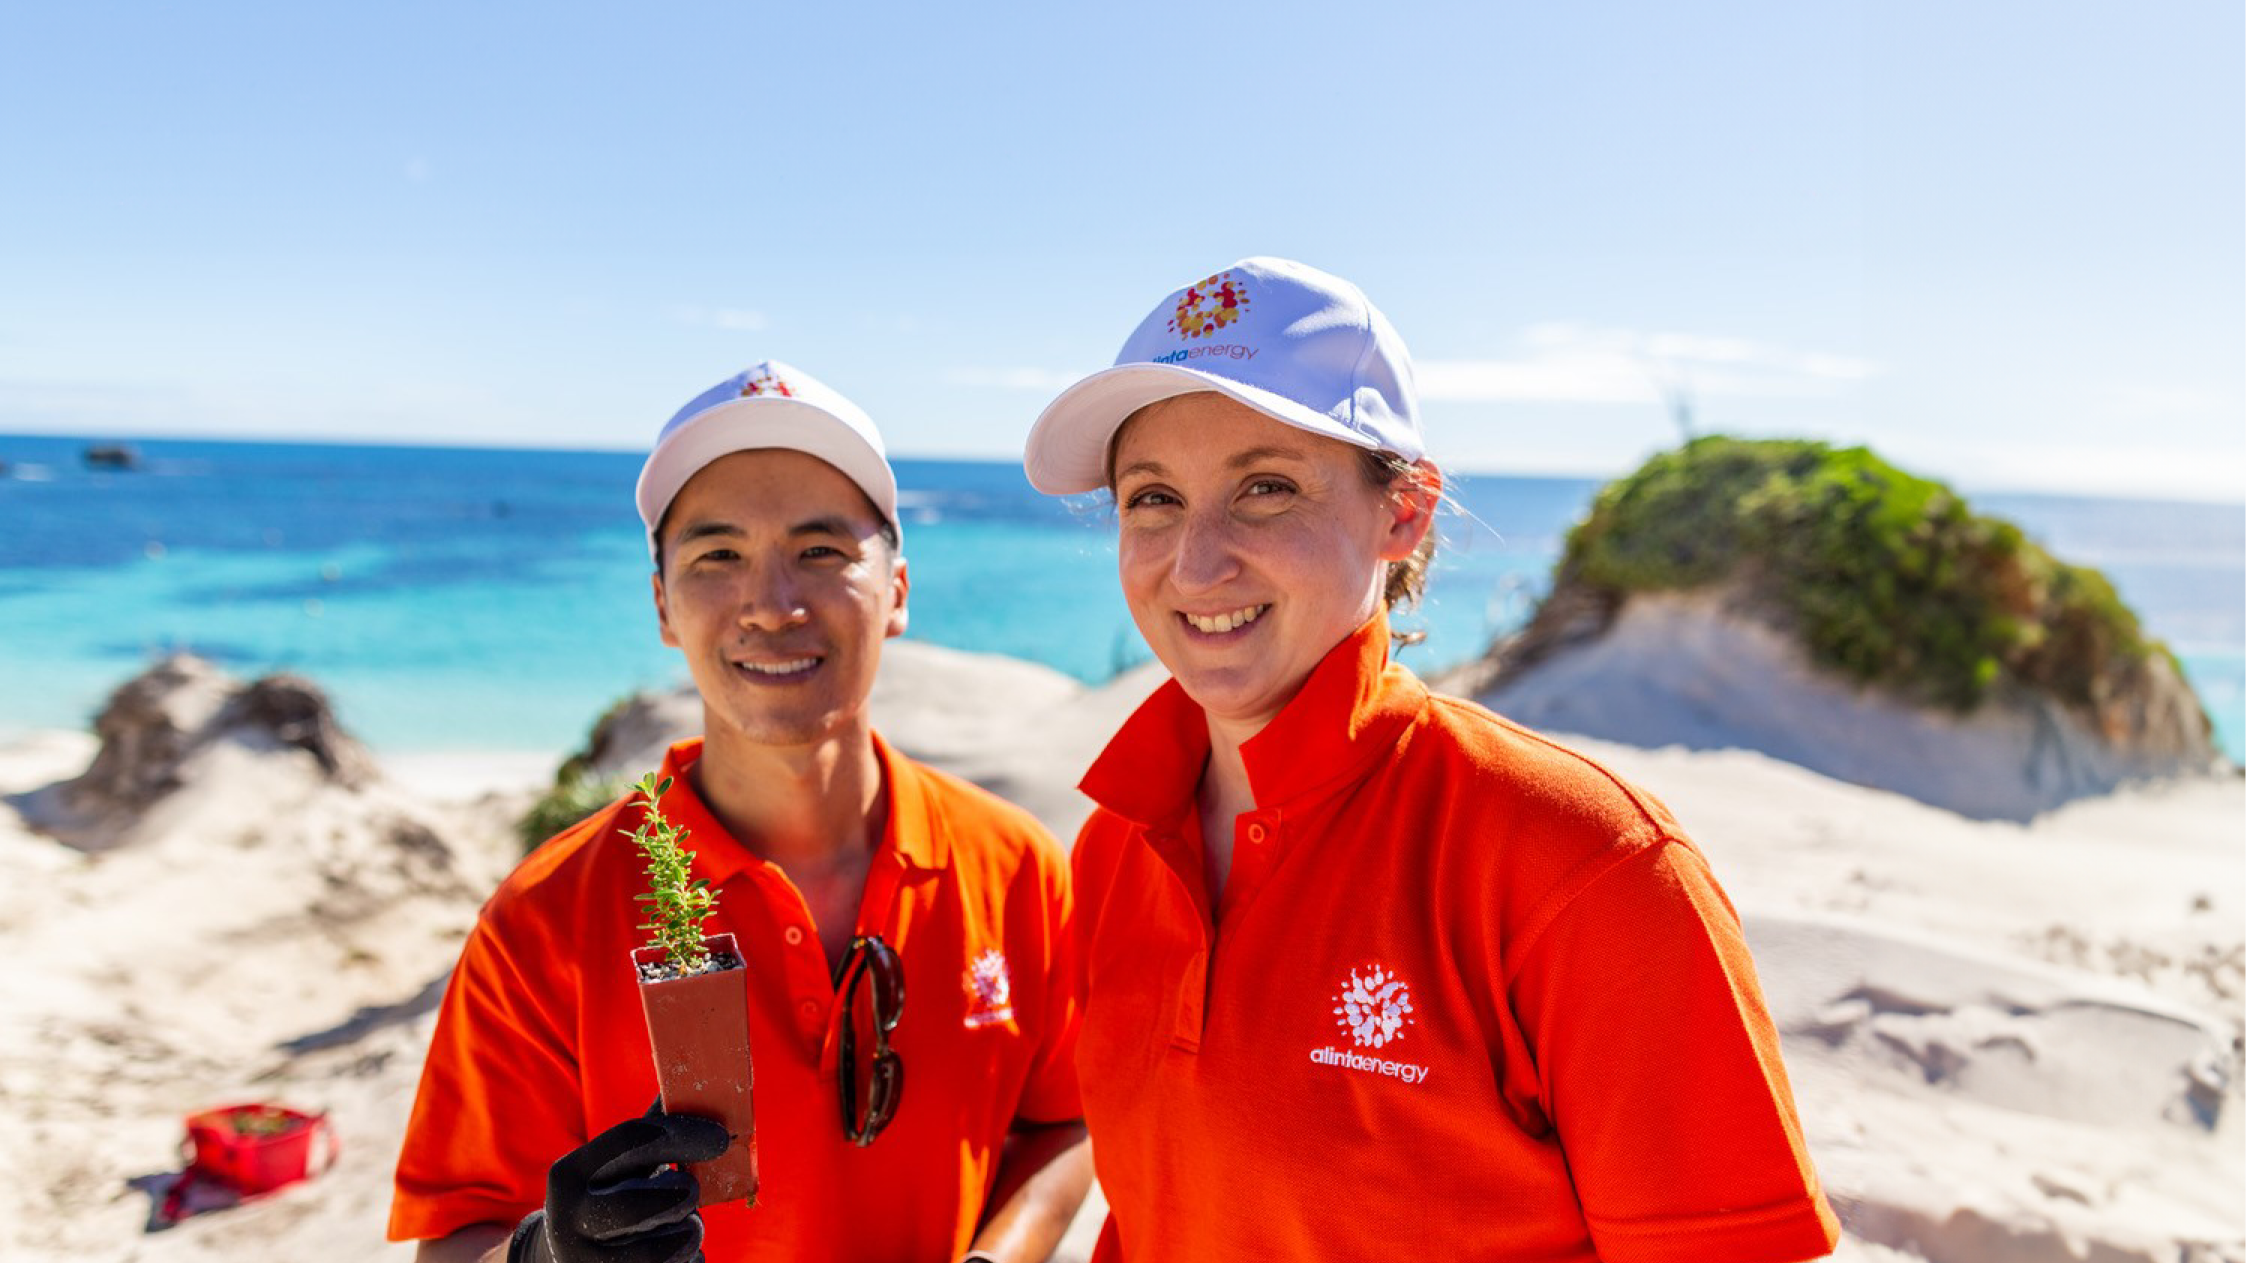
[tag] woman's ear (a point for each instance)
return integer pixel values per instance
(1412, 500)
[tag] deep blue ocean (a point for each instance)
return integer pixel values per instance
(456, 598)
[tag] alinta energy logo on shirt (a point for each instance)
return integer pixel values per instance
(990, 990)
(1375, 1007)
(762, 382)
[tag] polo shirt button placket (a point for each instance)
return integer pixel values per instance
(1191, 995)
(1258, 838)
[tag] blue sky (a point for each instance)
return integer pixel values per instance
(2004, 243)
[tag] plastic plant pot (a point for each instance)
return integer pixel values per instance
(258, 1148)
(698, 1029)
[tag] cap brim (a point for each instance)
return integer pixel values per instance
(754, 424)
(1066, 453)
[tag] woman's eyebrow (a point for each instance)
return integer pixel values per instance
(1257, 455)
(1251, 456)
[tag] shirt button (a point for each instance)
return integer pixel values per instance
(1255, 833)
(794, 935)
(810, 1008)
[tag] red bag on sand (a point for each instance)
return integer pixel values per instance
(251, 1149)
(259, 1148)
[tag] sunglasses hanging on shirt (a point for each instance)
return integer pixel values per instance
(872, 961)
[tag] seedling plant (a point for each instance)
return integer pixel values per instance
(678, 905)
(261, 1120)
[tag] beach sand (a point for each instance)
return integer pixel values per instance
(2009, 1042)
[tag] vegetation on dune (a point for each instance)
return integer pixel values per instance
(678, 903)
(1889, 578)
(578, 791)
(574, 796)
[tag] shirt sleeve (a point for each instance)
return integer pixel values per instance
(1049, 1094)
(500, 1097)
(1659, 1066)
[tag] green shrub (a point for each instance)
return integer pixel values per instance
(573, 797)
(1888, 578)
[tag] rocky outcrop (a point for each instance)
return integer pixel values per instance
(160, 719)
(183, 725)
(112, 456)
(1713, 668)
(146, 731)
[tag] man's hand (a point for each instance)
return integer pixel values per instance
(611, 1201)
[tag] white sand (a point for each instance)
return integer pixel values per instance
(259, 935)
(463, 776)
(2010, 1042)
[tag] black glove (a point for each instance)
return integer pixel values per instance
(611, 1201)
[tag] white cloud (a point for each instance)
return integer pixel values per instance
(1039, 379)
(1568, 378)
(730, 319)
(2167, 401)
(1585, 364)
(2129, 468)
(29, 406)
(904, 323)
(1836, 367)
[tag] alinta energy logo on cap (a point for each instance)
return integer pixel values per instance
(762, 381)
(1210, 305)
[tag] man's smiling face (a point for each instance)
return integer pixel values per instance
(779, 588)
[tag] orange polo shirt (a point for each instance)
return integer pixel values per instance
(541, 1042)
(1465, 995)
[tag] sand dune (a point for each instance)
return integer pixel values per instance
(1704, 670)
(260, 934)
(2009, 1041)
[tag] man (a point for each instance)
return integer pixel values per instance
(772, 521)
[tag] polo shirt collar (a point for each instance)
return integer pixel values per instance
(1347, 715)
(914, 832)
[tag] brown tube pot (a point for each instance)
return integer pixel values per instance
(698, 1028)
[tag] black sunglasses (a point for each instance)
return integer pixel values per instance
(885, 1077)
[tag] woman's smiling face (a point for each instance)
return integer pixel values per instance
(1248, 549)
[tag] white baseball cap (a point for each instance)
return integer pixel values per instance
(764, 406)
(1294, 343)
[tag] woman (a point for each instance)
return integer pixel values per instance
(1373, 973)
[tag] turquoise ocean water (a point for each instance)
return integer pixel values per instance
(453, 598)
